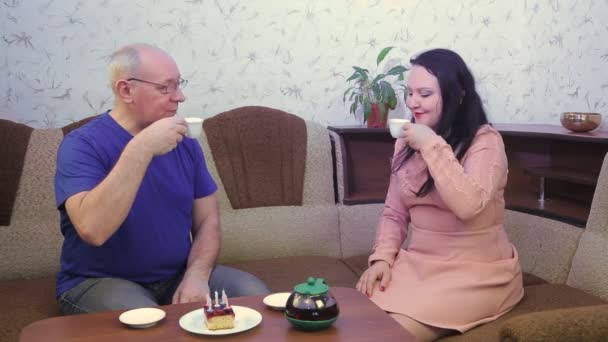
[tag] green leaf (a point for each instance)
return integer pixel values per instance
(390, 92)
(353, 76)
(346, 93)
(360, 75)
(378, 78)
(361, 84)
(367, 111)
(383, 54)
(361, 70)
(392, 102)
(377, 90)
(397, 70)
(382, 111)
(386, 90)
(401, 77)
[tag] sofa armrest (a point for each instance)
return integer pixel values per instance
(587, 323)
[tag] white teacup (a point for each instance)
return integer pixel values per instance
(195, 127)
(396, 127)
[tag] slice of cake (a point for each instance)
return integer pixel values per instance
(219, 314)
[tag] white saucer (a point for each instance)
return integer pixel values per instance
(142, 318)
(244, 319)
(277, 301)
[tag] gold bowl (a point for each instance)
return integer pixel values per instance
(580, 122)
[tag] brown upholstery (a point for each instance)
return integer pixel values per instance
(25, 301)
(537, 298)
(68, 128)
(531, 279)
(587, 323)
(358, 264)
(282, 274)
(14, 139)
(260, 154)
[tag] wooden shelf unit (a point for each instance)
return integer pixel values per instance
(567, 175)
(566, 163)
(366, 157)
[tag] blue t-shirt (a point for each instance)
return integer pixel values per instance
(153, 243)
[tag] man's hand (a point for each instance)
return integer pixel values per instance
(192, 288)
(380, 270)
(416, 135)
(163, 135)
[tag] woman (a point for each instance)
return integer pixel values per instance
(459, 269)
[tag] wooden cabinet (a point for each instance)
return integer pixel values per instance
(552, 172)
(366, 159)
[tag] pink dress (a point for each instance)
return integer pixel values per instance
(459, 269)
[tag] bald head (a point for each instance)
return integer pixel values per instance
(126, 61)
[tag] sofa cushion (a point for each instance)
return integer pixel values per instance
(590, 263)
(260, 153)
(531, 279)
(14, 139)
(68, 128)
(276, 232)
(24, 302)
(358, 227)
(549, 258)
(31, 245)
(282, 274)
(537, 298)
(587, 323)
(357, 264)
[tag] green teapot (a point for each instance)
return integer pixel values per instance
(311, 306)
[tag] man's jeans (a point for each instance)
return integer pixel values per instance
(102, 294)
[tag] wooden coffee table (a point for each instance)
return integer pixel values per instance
(359, 320)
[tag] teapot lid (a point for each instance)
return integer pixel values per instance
(312, 286)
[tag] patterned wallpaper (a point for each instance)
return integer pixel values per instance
(533, 59)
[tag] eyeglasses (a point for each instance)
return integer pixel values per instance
(165, 88)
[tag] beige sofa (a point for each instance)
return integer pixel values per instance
(285, 244)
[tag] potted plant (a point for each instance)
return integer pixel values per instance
(375, 93)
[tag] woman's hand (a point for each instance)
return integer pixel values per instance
(417, 134)
(380, 270)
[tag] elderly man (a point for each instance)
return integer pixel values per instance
(132, 190)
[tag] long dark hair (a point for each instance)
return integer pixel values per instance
(462, 113)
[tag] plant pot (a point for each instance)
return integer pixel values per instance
(374, 121)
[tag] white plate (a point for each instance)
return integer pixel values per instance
(142, 318)
(244, 319)
(277, 301)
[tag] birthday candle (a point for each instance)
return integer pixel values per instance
(217, 302)
(209, 303)
(225, 298)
